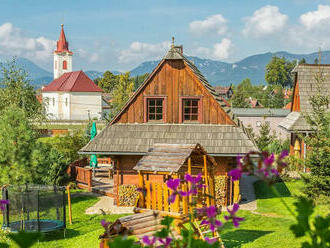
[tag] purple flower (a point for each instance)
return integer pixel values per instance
(210, 240)
(192, 179)
(3, 203)
(173, 184)
(235, 174)
(171, 198)
(105, 224)
(284, 153)
(233, 216)
(166, 242)
(211, 213)
(268, 161)
(149, 241)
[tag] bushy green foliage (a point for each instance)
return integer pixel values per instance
(273, 97)
(318, 142)
(242, 92)
(15, 89)
(278, 72)
(108, 82)
(17, 143)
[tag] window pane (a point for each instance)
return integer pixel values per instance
(194, 110)
(151, 109)
(159, 110)
(151, 102)
(194, 102)
(159, 102)
(186, 117)
(155, 109)
(151, 117)
(194, 117)
(159, 117)
(186, 102)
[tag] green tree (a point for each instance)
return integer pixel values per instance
(121, 93)
(273, 97)
(108, 82)
(17, 137)
(139, 79)
(241, 93)
(15, 89)
(278, 72)
(302, 61)
(317, 183)
(265, 138)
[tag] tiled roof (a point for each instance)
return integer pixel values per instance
(62, 45)
(218, 140)
(255, 112)
(169, 157)
(222, 90)
(76, 81)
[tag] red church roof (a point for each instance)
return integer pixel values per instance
(76, 81)
(62, 44)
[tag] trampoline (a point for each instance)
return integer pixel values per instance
(34, 208)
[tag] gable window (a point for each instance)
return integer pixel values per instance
(65, 65)
(154, 109)
(190, 109)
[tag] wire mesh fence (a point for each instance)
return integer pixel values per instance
(34, 208)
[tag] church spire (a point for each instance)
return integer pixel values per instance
(62, 44)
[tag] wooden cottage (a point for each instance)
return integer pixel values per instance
(304, 88)
(174, 105)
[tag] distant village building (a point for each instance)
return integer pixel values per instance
(225, 91)
(174, 105)
(72, 95)
(304, 88)
(255, 117)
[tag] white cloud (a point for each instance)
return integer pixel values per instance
(14, 42)
(92, 57)
(139, 51)
(317, 19)
(265, 21)
(219, 51)
(214, 23)
(222, 49)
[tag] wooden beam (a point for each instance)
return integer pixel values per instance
(206, 181)
(141, 186)
(189, 188)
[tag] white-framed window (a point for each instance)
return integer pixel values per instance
(66, 102)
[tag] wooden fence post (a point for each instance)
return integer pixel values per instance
(141, 186)
(206, 182)
(89, 180)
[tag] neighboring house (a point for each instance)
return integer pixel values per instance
(254, 103)
(72, 95)
(304, 88)
(255, 117)
(174, 105)
(225, 91)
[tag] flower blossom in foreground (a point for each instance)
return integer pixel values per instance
(149, 241)
(3, 204)
(210, 240)
(166, 242)
(105, 224)
(211, 213)
(236, 220)
(196, 183)
(237, 173)
(173, 184)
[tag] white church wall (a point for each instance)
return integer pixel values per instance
(83, 103)
(58, 64)
(51, 104)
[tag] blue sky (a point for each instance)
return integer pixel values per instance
(118, 35)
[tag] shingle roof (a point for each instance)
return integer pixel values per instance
(306, 80)
(222, 90)
(218, 140)
(169, 157)
(255, 112)
(76, 81)
(306, 74)
(295, 122)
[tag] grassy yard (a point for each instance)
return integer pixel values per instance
(267, 227)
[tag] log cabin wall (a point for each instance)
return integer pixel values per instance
(174, 80)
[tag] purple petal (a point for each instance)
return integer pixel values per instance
(148, 241)
(235, 207)
(284, 153)
(212, 227)
(165, 242)
(235, 174)
(227, 217)
(183, 193)
(269, 160)
(274, 172)
(188, 178)
(172, 197)
(210, 240)
(211, 211)
(205, 222)
(173, 184)
(218, 223)
(236, 221)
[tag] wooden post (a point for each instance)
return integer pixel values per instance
(117, 182)
(148, 195)
(89, 180)
(212, 189)
(189, 187)
(176, 203)
(165, 190)
(141, 185)
(160, 197)
(154, 198)
(236, 192)
(69, 204)
(206, 182)
(185, 199)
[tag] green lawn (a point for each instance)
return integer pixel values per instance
(268, 227)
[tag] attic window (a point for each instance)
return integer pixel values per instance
(154, 109)
(191, 109)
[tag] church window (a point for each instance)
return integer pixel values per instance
(66, 102)
(65, 65)
(53, 101)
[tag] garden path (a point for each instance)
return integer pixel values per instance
(106, 206)
(248, 197)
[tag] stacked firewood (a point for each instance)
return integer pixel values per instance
(127, 195)
(220, 189)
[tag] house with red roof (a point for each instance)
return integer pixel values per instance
(72, 95)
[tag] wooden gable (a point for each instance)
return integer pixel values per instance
(173, 80)
(295, 106)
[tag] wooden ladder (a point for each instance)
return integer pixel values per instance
(204, 231)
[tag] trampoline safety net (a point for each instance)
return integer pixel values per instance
(34, 208)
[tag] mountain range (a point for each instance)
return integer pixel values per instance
(216, 72)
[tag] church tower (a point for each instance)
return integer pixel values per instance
(62, 56)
